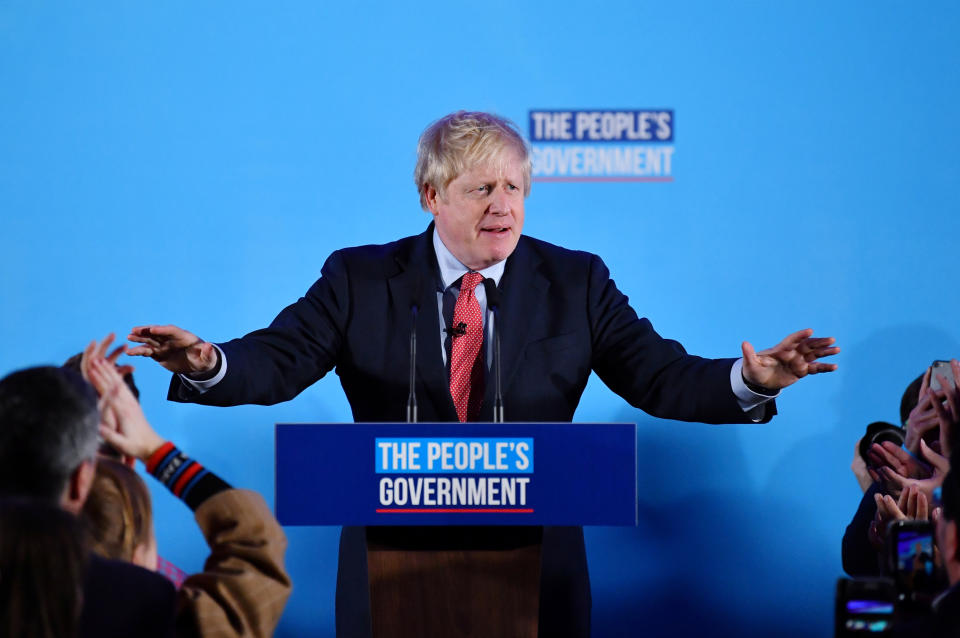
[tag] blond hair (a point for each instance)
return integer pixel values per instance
(457, 142)
(117, 514)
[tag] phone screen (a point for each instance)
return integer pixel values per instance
(914, 560)
(940, 369)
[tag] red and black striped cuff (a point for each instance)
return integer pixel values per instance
(186, 478)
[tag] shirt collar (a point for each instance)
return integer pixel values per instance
(451, 269)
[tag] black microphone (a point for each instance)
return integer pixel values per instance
(458, 330)
(412, 398)
(493, 303)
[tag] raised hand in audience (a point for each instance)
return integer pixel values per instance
(948, 416)
(99, 350)
(923, 417)
(124, 425)
(913, 504)
(940, 466)
(893, 467)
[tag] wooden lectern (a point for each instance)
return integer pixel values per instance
(454, 581)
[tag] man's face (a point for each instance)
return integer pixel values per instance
(480, 217)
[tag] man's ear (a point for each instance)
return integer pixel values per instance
(78, 486)
(430, 195)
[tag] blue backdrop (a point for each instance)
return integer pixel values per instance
(195, 163)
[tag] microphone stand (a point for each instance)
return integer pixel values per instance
(493, 303)
(412, 398)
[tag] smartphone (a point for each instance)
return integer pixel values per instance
(940, 369)
(864, 606)
(912, 559)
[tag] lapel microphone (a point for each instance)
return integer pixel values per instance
(458, 330)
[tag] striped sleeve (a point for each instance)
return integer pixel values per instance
(185, 477)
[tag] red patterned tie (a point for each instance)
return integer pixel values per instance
(466, 365)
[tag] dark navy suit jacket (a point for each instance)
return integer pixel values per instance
(561, 317)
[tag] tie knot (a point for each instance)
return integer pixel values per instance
(470, 281)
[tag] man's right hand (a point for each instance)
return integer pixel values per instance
(177, 350)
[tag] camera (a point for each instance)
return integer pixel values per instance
(878, 432)
(914, 577)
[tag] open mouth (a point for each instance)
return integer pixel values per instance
(497, 230)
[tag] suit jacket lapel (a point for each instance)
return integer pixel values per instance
(416, 274)
(523, 294)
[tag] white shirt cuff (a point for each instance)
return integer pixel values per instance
(203, 386)
(748, 399)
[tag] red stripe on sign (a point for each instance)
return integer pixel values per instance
(603, 179)
(454, 511)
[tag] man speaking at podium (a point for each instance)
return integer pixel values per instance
(561, 316)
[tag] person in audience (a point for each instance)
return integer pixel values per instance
(877, 432)
(48, 440)
(244, 587)
(48, 443)
(943, 620)
(900, 469)
(918, 465)
(859, 468)
(78, 363)
(42, 561)
(946, 607)
(118, 516)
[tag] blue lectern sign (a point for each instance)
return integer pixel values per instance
(456, 474)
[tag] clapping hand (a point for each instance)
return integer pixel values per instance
(913, 504)
(898, 470)
(123, 424)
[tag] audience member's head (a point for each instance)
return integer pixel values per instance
(76, 363)
(118, 516)
(910, 398)
(48, 436)
(41, 570)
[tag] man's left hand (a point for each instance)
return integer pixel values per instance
(790, 360)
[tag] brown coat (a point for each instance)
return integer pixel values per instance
(243, 587)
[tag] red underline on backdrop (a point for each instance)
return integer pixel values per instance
(454, 511)
(603, 179)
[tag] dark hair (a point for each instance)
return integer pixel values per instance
(42, 561)
(117, 515)
(48, 426)
(910, 399)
